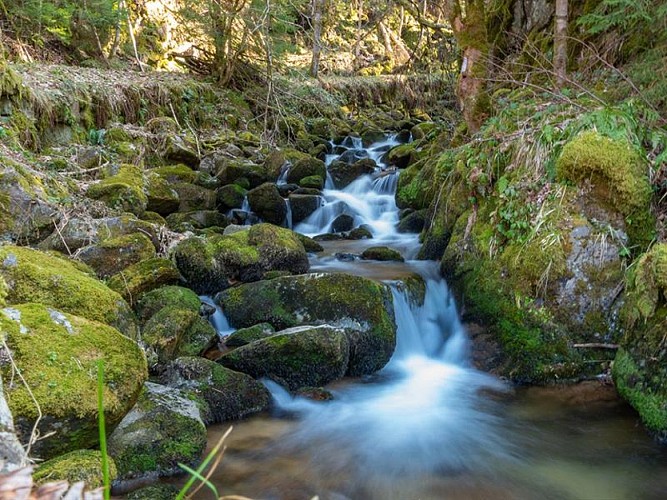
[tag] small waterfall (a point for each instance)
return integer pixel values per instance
(218, 318)
(288, 215)
(284, 172)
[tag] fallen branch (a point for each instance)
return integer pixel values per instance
(596, 345)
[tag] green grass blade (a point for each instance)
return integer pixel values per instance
(197, 475)
(102, 428)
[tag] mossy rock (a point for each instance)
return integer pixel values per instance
(213, 264)
(309, 244)
(274, 163)
(420, 130)
(343, 173)
(230, 196)
(303, 356)
(162, 198)
(162, 430)
(143, 277)
(197, 219)
(223, 394)
(233, 171)
(75, 466)
(34, 276)
(618, 176)
(303, 205)
(362, 306)
(57, 354)
(123, 191)
(172, 332)
(359, 233)
(381, 253)
(413, 222)
(176, 174)
(160, 491)
(267, 203)
(244, 336)
(179, 150)
(372, 136)
(113, 255)
(193, 197)
(401, 156)
(306, 167)
(312, 181)
(166, 296)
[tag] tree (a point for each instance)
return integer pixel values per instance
(560, 42)
(318, 7)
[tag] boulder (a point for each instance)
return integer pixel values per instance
(193, 197)
(362, 307)
(175, 174)
(179, 150)
(310, 244)
(166, 296)
(123, 191)
(162, 430)
(214, 263)
(306, 167)
(34, 276)
(381, 253)
(303, 356)
(353, 155)
(267, 203)
(244, 336)
(401, 156)
(112, 255)
(343, 173)
(342, 223)
(143, 277)
(162, 197)
(233, 171)
(359, 233)
(413, 222)
(230, 196)
(197, 219)
(75, 466)
(221, 393)
(57, 353)
(303, 205)
(312, 182)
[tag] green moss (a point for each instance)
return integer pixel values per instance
(161, 197)
(312, 181)
(79, 465)
(618, 175)
(143, 277)
(176, 173)
(166, 296)
(124, 191)
(34, 276)
(112, 255)
(381, 253)
(57, 355)
(155, 492)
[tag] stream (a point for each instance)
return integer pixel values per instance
(429, 425)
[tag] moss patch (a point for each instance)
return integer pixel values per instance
(143, 277)
(123, 191)
(79, 465)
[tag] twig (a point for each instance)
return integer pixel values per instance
(596, 345)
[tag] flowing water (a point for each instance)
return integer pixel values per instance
(429, 425)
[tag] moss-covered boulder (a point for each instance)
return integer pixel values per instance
(362, 306)
(413, 222)
(309, 244)
(75, 466)
(181, 150)
(173, 332)
(343, 173)
(162, 198)
(420, 130)
(312, 182)
(230, 196)
(34, 276)
(160, 491)
(162, 430)
(303, 205)
(166, 296)
(112, 255)
(193, 197)
(303, 356)
(618, 177)
(214, 263)
(244, 336)
(123, 191)
(267, 203)
(143, 277)
(198, 219)
(234, 171)
(381, 253)
(401, 156)
(222, 394)
(306, 167)
(57, 354)
(176, 174)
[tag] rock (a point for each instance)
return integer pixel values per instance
(372, 136)
(420, 130)
(353, 155)
(403, 136)
(179, 151)
(75, 466)
(123, 191)
(309, 191)
(34, 276)
(232, 171)
(112, 255)
(198, 219)
(175, 174)
(413, 222)
(173, 332)
(401, 156)
(306, 167)
(342, 223)
(213, 264)
(359, 233)
(244, 336)
(346, 257)
(57, 353)
(274, 163)
(193, 197)
(222, 393)
(286, 189)
(381, 253)
(160, 491)
(12, 454)
(143, 277)
(310, 244)
(162, 198)
(312, 182)
(230, 196)
(267, 203)
(166, 296)
(297, 357)
(343, 173)
(328, 237)
(162, 430)
(362, 306)
(303, 205)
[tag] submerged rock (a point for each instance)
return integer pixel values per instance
(361, 306)
(162, 430)
(57, 353)
(222, 394)
(302, 356)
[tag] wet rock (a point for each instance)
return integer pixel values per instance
(309, 191)
(56, 353)
(312, 182)
(244, 336)
(303, 205)
(230, 196)
(267, 203)
(329, 237)
(413, 222)
(420, 130)
(346, 257)
(12, 454)
(166, 296)
(197, 219)
(222, 394)
(286, 189)
(162, 430)
(401, 156)
(212, 264)
(296, 357)
(310, 244)
(353, 155)
(343, 173)
(403, 136)
(233, 171)
(306, 167)
(359, 233)
(75, 466)
(361, 306)
(381, 253)
(113, 255)
(143, 277)
(342, 223)
(372, 136)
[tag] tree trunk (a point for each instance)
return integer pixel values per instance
(357, 43)
(318, 7)
(560, 42)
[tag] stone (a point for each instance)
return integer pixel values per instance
(166, 296)
(381, 253)
(230, 196)
(112, 255)
(244, 336)
(75, 466)
(267, 203)
(343, 173)
(143, 277)
(342, 223)
(306, 167)
(303, 205)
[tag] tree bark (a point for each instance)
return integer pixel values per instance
(318, 7)
(560, 42)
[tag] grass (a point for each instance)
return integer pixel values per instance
(102, 428)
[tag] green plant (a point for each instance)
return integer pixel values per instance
(102, 428)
